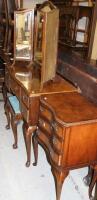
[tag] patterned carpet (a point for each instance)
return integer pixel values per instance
(34, 183)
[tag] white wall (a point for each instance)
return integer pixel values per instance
(94, 48)
(29, 3)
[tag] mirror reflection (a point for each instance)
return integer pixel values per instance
(23, 35)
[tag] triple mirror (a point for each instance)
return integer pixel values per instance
(44, 26)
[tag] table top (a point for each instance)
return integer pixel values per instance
(71, 108)
(31, 83)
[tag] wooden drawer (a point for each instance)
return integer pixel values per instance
(50, 138)
(15, 87)
(56, 144)
(54, 155)
(43, 124)
(24, 98)
(46, 113)
(25, 112)
(57, 130)
(54, 140)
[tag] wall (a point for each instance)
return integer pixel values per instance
(29, 3)
(94, 48)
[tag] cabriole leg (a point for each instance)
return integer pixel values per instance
(14, 129)
(93, 182)
(35, 148)
(88, 177)
(28, 130)
(59, 177)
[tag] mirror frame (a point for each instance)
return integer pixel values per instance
(49, 43)
(24, 11)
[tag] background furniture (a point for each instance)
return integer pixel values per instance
(80, 72)
(3, 24)
(76, 20)
(12, 5)
(75, 23)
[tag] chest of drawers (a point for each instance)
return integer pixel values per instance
(67, 130)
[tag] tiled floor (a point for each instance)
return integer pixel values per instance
(34, 183)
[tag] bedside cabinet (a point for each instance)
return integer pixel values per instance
(67, 130)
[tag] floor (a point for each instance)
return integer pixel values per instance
(34, 183)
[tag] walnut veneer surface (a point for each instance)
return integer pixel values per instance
(67, 130)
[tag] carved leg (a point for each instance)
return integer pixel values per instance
(24, 127)
(28, 130)
(7, 116)
(95, 194)
(35, 147)
(14, 129)
(59, 177)
(87, 179)
(24, 133)
(93, 181)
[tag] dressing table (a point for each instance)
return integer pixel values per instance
(34, 74)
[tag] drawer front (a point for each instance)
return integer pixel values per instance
(45, 141)
(15, 88)
(57, 130)
(25, 112)
(45, 126)
(46, 113)
(56, 158)
(25, 98)
(54, 137)
(56, 144)
(51, 136)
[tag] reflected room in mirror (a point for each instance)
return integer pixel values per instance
(23, 34)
